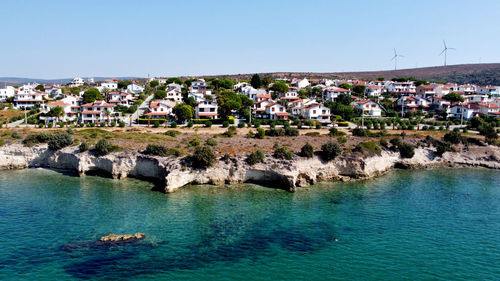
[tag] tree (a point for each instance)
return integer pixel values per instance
(56, 111)
(154, 84)
(40, 87)
(344, 99)
(123, 84)
(60, 140)
(183, 112)
(227, 102)
(222, 84)
(330, 151)
(453, 98)
(74, 90)
(345, 86)
(317, 92)
(159, 95)
(174, 80)
(203, 157)
(307, 150)
(359, 89)
(256, 82)
(92, 95)
(191, 101)
(280, 87)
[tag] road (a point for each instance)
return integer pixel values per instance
(142, 108)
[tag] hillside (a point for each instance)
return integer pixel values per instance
(482, 74)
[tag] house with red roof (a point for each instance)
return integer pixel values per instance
(331, 93)
(466, 109)
(373, 90)
(160, 109)
(490, 109)
(96, 112)
(276, 111)
(370, 108)
(425, 91)
(207, 109)
(317, 111)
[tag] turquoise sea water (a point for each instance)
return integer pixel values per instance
(441, 224)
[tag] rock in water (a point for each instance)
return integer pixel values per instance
(122, 238)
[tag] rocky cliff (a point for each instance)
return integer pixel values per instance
(172, 173)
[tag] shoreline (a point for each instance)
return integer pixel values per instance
(169, 173)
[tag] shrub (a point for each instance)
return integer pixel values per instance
(406, 150)
(318, 126)
(61, 124)
(225, 124)
(255, 157)
(156, 124)
(203, 157)
(453, 137)
(309, 122)
(313, 134)
(190, 124)
(60, 140)
(343, 124)
(122, 124)
(208, 124)
(50, 125)
(330, 151)
(113, 124)
(231, 131)
(241, 125)
(16, 135)
(103, 147)
(383, 143)
(173, 124)
(341, 139)
(359, 132)
(40, 125)
(194, 142)
(283, 152)
(369, 147)
(83, 146)
(291, 132)
(172, 133)
(102, 124)
(334, 132)
(256, 124)
(307, 150)
(261, 134)
(442, 147)
(211, 142)
(396, 142)
(33, 139)
(160, 150)
(92, 125)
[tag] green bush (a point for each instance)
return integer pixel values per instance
(231, 131)
(50, 125)
(122, 124)
(60, 140)
(172, 133)
(173, 124)
(190, 124)
(318, 126)
(160, 150)
(211, 142)
(241, 125)
(194, 142)
(256, 124)
(383, 143)
(307, 150)
(330, 150)
(343, 124)
(225, 124)
(255, 157)
(113, 124)
(406, 150)
(104, 147)
(83, 146)
(313, 134)
(156, 124)
(261, 134)
(203, 157)
(34, 139)
(453, 137)
(334, 132)
(359, 132)
(102, 124)
(283, 152)
(341, 139)
(208, 124)
(291, 132)
(369, 147)
(16, 135)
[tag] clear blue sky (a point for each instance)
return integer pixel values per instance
(59, 39)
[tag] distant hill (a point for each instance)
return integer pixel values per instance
(19, 80)
(482, 74)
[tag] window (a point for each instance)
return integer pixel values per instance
(272, 109)
(314, 111)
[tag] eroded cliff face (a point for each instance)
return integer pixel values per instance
(172, 173)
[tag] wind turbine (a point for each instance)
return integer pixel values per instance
(395, 59)
(445, 51)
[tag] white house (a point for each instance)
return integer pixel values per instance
(425, 91)
(135, 88)
(373, 90)
(317, 111)
(160, 109)
(251, 92)
(475, 98)
(174, 86)
(468, 111)
(95, 112)
(26, 97)
(276, 111)
(300, 83)
(370, 108)
(123, 98)
(6, 92)
(200, 87)
(69, 112)
(491, 90)
(331, 93)
(490, 109)
(77, 82)
(110, 84)
(206, 109)
(174, 95)
(288, 96)
(400, 87)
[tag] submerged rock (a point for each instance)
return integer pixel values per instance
(122, 237)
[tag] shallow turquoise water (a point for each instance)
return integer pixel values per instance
(440, 224)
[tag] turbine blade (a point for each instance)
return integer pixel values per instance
(451, 49)
(444, 44)
(442, 52)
